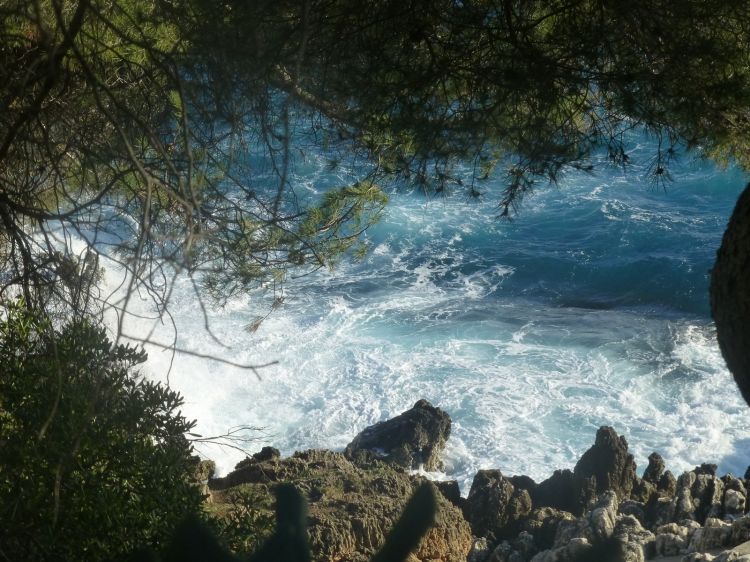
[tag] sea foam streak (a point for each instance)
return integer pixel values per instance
(590, 308)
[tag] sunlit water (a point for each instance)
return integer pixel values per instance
(590, 308)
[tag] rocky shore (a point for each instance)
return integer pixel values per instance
(356, 496)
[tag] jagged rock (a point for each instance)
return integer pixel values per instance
(667, 486)
(504, 552)
(494, 506)
(669, 544)
(684, 506)
(740, 553)
(542, 524)
(707, 469)
(655, 468)
(451, 491)
(604, 516)
(715, 534)
(707, 492)
(558, 491)
(740, 530)
(731, 482)
(524, 483)
(352, 508)
(480, 550)
(660, 511)
(610, 465)
(638, 543)
(568, 553)
(643, 490)
(413, 439)
(698, 557)
(734, 503)
(634, 508)
(525, 545)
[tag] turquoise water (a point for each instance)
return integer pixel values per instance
(589, 308)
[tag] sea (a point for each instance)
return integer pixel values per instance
(589, 307)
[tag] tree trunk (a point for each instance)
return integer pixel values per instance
(730, 294)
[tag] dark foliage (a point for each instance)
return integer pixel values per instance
(93, 459)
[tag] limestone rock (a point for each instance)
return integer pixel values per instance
(715, 534)
(480, 550)
(494, 507)
(734, 503)
(707, 492)
(740, 530)
(667, 486)
(558, 491)
(637, 542)
(352, 508)
(634, 508)
(413, 439)
(568, 553)
(609, 464)
(542, 524)
(655, 469)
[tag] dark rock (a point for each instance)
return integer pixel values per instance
(707, 469)
(542, 524)
(635, 509)
(655, 468)
(558, 491)
(524, 483)
(667, 486)
(451, 491)
(747, 473)
(643, 490)
(411, 440)
(660, 511)
(609, 463)
(494, 506)
(266, 454)
(708, 493)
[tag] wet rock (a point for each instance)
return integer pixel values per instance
(411, 440)
(609, 464)
(525, 545)
(655, 468)
(494, 507)
(504, 552)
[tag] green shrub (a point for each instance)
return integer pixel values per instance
(93, 458)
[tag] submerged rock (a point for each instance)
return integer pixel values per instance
(412, 440)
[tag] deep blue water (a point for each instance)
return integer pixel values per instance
(588, 308)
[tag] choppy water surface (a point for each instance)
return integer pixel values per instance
(590, 308)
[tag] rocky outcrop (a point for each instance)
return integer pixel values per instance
(351, 508)
(494, 506)
(607, 465)
(412, 440)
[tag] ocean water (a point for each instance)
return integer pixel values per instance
(589, 308)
